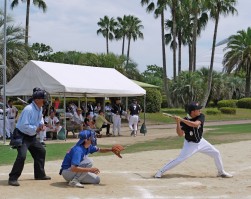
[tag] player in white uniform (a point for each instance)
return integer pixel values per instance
(192, 128)
(12, 113)
(133, 117)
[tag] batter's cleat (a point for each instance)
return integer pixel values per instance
(75, 183)
(158, 175)
(132, 133)
(224, 175)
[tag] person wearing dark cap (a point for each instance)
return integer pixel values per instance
(117, 111)
(76, 167)
(133, 113)
(29, 124)
(191, 127)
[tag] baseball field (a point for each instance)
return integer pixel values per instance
(132, 176)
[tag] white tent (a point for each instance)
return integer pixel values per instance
(72, 80)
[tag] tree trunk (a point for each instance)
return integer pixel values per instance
(247, 86)
(210, 72)
(174, 37)
(128, 50)
(164, 60)
(107, 47)
(27, 23)
(123, 45)
(179, 54)
(190, 57)
(194, 40)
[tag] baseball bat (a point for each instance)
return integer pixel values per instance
(168, 115)
(22, 100)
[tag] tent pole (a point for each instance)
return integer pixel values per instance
(145, 108)
(65, 116)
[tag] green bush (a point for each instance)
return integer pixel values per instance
(212, 111)
(227, 103)
(153, 100)
(228, 110)
(244, 103)
(211, 104)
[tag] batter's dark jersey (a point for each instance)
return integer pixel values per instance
(193, 134)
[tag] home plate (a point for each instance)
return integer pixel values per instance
(191, 184)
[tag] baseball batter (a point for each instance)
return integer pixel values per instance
(191, 127)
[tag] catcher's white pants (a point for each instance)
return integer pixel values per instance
(116, 123)
(84, 177)
(133, 122)
(190, 148)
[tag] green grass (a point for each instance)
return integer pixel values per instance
(215, 135)
(158, 118)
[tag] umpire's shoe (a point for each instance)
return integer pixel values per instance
(13, 183)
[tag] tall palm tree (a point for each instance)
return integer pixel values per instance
(134, 27)
(39, 3)
(17, 53)
(120, 32)
(238, 56)
(158, 9)
(107, 27)
(217, 8)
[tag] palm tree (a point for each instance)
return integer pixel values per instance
(107, 29)
(120, 32)
(39, 3)
(158, 10)
(17, 53)
(217, 8)
(238, 55)
(133, 32)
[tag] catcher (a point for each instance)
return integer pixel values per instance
(77, 168)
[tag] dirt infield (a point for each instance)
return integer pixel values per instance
(132, 176)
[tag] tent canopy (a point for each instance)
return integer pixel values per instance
(71, 80)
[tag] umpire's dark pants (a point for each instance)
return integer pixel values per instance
(38, 153)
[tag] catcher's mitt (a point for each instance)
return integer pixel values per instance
(116, 149)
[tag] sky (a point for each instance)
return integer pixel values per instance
(72, 26)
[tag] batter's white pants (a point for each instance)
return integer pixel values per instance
(116, 123)
(190, 148)
(84, 177)
(133, 123)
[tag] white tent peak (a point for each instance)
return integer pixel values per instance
(72, 80)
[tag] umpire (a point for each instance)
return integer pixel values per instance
(29, 124)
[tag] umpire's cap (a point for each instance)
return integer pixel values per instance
(193, 106)
(87, 134)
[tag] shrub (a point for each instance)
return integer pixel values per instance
(153, 100)
(227, 103)
(212, 111)
(19, 107)
(244, 103)
(228, 110)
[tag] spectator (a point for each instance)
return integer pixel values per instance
(101, 122)
(117, 111)
(133, 113)
(12, 113)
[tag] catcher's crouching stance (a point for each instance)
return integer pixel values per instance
(77, 167)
